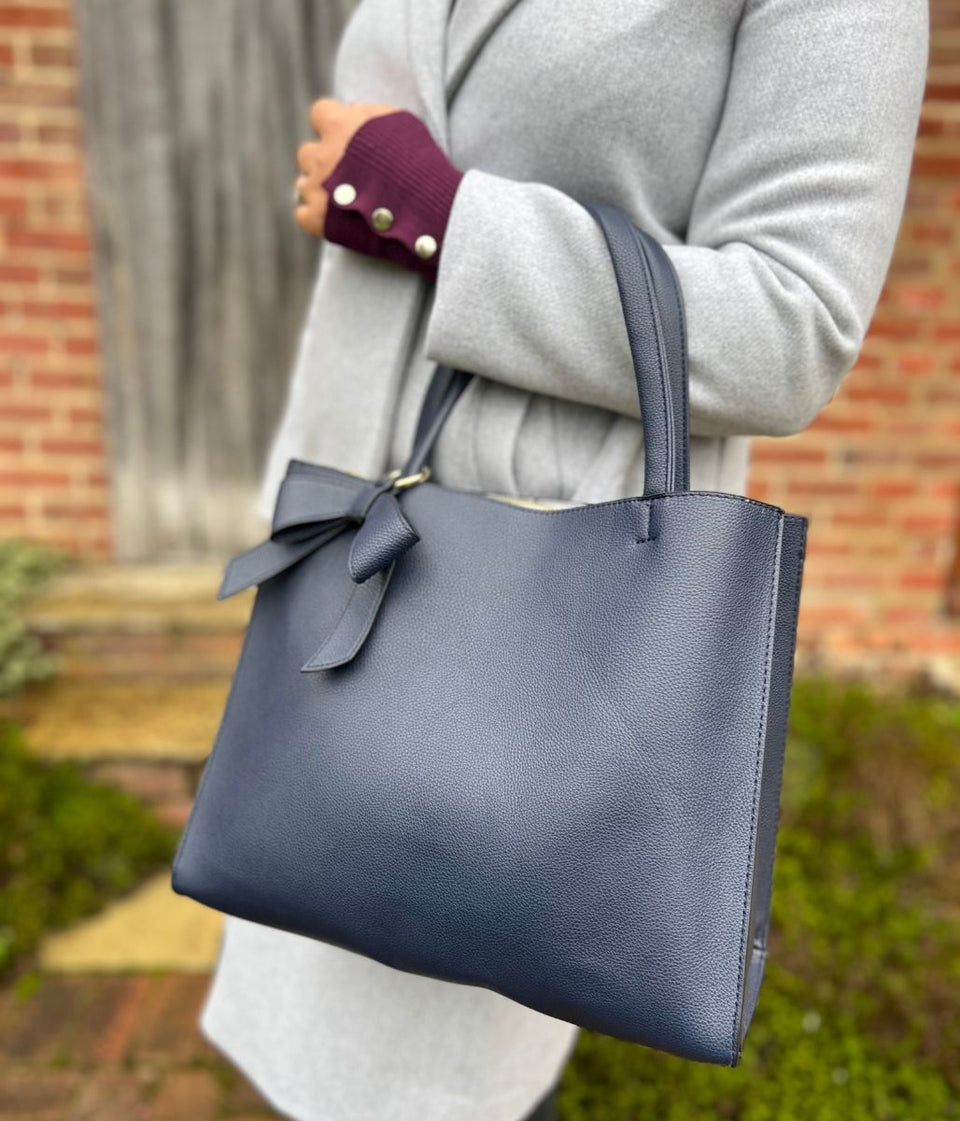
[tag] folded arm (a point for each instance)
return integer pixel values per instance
(785, 252)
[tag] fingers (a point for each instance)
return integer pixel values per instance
(325, 114)
(311, 212)
(335, 122)
(309, 220)
(312, 158)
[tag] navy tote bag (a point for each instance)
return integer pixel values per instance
(534, 750)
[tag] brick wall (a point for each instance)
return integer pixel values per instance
(878, 473)
(53, 482)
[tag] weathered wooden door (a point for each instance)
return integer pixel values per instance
(194, 110)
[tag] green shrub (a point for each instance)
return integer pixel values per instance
(66, 845)
(23, 568)
(859, 1017)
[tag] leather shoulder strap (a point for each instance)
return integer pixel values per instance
(653, 312)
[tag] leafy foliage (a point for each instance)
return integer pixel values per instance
(23, 568)
(66, 845)
(859, 1017)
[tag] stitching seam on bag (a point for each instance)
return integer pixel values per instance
(684, 382)
(662, 360)
(751, 850)
(788, 661)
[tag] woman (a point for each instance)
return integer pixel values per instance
(767, 144)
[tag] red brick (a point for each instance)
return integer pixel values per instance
(916, 298)
(17, 411)
(111, 1094)
(62, 240)
(153, 782)
(905, 265)
(882, 394)
(943, 91)
(47, 54)
(186, 1093)
(82, 346)
(75, 511)
(23, 344)
(19, 274)
(174, 812)
(58, 134)
(936, 167)
(36, 95)
(896, 488)
(923, 578)
(829, 421)
(34, 478)
(66, 445)
(894, 329)
(33, 16)
(916, 363)
(58, 309)
(114, 1041)
(930, 126)
(29, 1094)
(74, 276)
(82, 415)
(62, 379)
(774, 451)
(940, 524)
(12, 207)
(825, 488)
(168, 1029)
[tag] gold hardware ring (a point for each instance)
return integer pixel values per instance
(404, 482)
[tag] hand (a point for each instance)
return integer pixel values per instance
(334, 122)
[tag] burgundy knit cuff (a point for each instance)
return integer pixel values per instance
(392, 192)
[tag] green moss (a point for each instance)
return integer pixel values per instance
(859, 1017)
(66, 845)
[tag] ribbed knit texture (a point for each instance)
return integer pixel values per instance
(393, 162)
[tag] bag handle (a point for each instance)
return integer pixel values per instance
(653, 311)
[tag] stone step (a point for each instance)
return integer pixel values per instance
(152, 928)
(140, 621)
(122, 719)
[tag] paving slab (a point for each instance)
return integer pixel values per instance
(123, 719)
(153, 928)
(136, 599)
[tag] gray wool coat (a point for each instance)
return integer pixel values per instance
(767, 144)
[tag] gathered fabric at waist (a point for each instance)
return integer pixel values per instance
(509, 442)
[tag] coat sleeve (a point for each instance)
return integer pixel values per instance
(784, 256)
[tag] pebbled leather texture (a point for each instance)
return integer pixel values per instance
(545, 760)
(385, 535)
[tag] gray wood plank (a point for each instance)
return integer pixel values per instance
(194, 113)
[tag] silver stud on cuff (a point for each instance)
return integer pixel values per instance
(382, 218)
(344, 194)
(425, 247)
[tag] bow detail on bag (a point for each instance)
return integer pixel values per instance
(314, 505)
